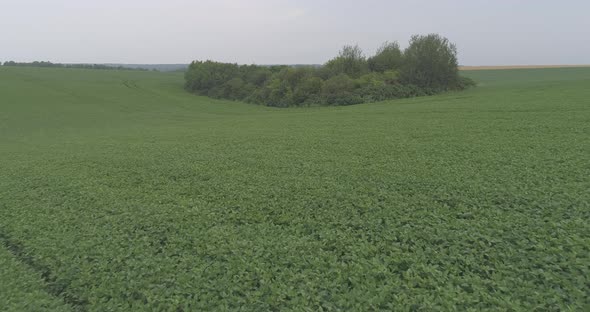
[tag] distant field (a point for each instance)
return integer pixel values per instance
(119, 191)
(520, 67)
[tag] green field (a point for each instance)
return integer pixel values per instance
(119, 191)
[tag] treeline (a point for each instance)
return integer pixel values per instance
(59, 65)
(427, 66)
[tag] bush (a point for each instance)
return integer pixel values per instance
(308, 90)
(371, 79)
(465, 83)
(338, 84)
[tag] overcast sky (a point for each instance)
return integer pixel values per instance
(487, 32)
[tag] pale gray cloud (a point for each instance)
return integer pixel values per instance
(285, 31)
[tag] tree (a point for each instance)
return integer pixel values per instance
(388, 57)
(430, 61)
(256, 75)
(279, 93)
(350, 61)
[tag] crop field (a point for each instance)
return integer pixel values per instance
(520, 67)
(120, 191)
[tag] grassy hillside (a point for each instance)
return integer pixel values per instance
(120, 191)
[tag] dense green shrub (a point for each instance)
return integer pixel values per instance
(428, 66)
(308, 91)
(465, 82)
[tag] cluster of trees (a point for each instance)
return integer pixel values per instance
(59, 65)
(428, 66)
